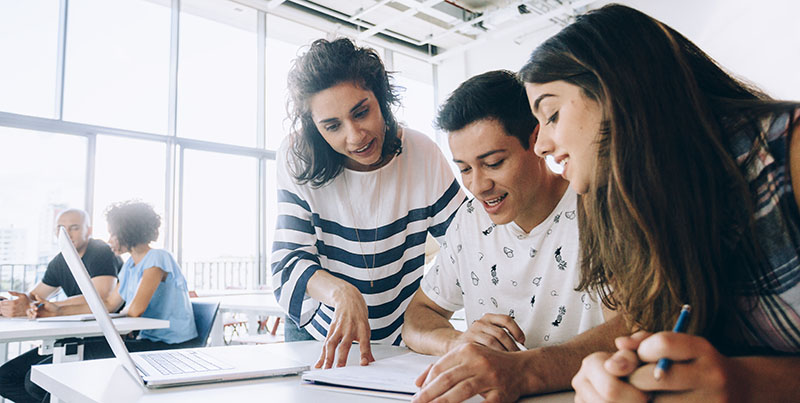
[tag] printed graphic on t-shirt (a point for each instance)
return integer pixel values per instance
(528, 276)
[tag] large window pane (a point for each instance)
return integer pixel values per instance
(217, 93)
(117, 65)
(219, 220)
(418, 106)
(285, 41)
(128, 169)
(28, 43)
(41, 174)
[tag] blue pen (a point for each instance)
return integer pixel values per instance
(680, 327)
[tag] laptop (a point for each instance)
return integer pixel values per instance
(156, 369)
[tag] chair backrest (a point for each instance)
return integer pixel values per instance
(204, 315)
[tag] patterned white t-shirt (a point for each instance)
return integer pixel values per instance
(488, 268)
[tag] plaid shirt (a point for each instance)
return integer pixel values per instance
(763, 156)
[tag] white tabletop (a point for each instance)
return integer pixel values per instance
(259, 303)
(20, 329)
(106, 381)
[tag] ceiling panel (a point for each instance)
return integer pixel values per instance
(439, 28)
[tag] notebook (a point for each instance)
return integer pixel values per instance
(392, 378)
(83, 317)
(155, 369)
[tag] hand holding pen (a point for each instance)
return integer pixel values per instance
(680, 326)
(35, 307)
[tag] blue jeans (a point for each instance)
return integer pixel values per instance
(293, 333)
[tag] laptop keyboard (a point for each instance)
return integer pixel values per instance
(180, 362)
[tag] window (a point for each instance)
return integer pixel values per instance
(27, 85)
(285, 41)
(217, 81)
(220, 220)
(117, 64)
(116, 112)
(128, 169)
(41, 174)
(418, 108)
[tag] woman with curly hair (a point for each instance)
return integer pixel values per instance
(151, 284)
(357, 196)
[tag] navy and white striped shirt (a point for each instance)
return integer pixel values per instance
(316, 230)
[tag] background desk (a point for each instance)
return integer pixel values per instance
(106, 381)
(22, 329)
(253, 305)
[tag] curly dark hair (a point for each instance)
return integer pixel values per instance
(326, 64)
(133, 223)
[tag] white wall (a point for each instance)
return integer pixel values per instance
(756, 40)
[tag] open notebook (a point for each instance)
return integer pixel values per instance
(391, 377)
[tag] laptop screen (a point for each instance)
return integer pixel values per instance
(95, 303)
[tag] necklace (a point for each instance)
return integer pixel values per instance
(355, 225)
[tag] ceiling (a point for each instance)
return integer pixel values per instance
(438, 28)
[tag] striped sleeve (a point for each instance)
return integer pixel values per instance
(294, 249)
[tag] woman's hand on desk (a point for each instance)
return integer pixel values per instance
(699, 373)
(350, 323)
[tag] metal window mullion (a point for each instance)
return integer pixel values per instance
(170, 183)
(91, 162)
(179, 224)
(61, 47)
(388, 59)
(261, 71)
(435, 79)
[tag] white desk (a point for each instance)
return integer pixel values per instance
(21, 329)
(105, 381)
(261, 303)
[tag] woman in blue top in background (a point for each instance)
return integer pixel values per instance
(151, 284)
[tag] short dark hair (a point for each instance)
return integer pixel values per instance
(326, 64)
(133, 223)
(498, 95)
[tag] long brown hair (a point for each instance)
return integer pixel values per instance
(668, 219)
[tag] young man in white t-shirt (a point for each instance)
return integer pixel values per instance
(510, 258)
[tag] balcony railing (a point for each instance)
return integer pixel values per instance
(200, 275)
(20, 276)
(221, 274)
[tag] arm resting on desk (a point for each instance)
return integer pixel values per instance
(426, 326)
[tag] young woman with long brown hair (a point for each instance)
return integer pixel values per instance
(686, 176)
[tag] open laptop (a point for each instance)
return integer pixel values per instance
(165, 368)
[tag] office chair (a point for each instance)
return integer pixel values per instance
(204, 315)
